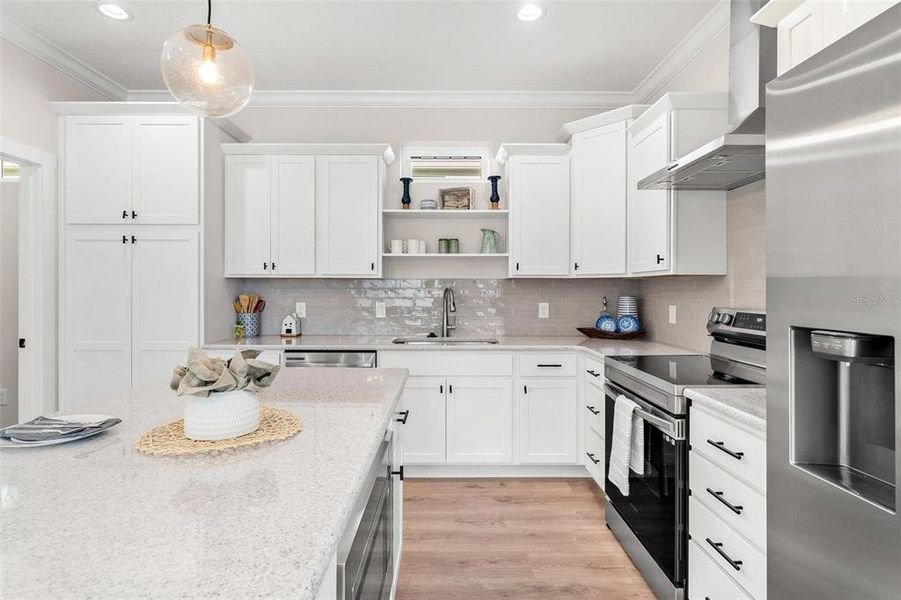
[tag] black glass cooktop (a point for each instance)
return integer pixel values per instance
(678, 369)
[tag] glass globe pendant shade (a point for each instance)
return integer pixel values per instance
(207, 71)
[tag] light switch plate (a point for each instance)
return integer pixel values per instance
(4, 395)
(301, 309)
(379, 310)
(672, 314)
(544, 310)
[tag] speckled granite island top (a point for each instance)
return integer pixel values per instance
(95, 519)
(745, 405)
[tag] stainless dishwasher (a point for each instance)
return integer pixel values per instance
(331, 358)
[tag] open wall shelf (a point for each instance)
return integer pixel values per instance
(444, 214)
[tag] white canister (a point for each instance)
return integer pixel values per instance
(222, 416)
(396, 246)
(412, 247)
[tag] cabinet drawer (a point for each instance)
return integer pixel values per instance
(594, 451)
(547, 365)
(714, 487)
(594, 409)
(449, 364)
(735, 449)
(594, 371)
(707, 530)
(706, 581)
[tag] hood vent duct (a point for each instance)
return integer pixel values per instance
(737, 157)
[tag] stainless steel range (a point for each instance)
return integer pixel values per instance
(652, 521)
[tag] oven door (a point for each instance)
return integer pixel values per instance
(656, 507)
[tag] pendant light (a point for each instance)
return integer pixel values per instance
(206, 70)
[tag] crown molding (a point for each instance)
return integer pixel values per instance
(714, 23)
(26, 39)
(417, 99)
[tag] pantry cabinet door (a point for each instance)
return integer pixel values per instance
(293, 215)
(97, 175)
(539, 208)
(248, 216)
(480, 420)
(347, 215)
(649, 210)
(599, 201)
(167, 170)
(547, 421)
(165, 301)
(96, 316)
(424, 432)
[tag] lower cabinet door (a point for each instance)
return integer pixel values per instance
(547, 421)
(479, 420)
(424, 441)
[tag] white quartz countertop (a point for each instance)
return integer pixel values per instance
(746, 405)
(597, 347)
(96, 519)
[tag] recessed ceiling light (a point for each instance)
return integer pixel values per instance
(113, 11)
(530, 12)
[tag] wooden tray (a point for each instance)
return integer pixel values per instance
(606, 335)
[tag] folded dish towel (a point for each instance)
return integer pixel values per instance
(627, 450)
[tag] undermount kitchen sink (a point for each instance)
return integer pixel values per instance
(436, 340)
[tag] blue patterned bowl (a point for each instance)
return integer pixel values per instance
(605, 323)
(627, 324)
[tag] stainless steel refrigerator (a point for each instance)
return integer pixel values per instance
(833, 169)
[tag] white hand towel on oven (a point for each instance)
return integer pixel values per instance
(627, 451)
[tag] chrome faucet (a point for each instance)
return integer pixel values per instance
(448, 320)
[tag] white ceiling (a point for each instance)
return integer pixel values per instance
(600, 45)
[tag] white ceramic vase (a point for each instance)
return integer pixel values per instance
(222, 416)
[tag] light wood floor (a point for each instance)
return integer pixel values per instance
(475, 539)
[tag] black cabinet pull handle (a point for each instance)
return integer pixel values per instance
(441, 389)
(404, 416)
(592, 458)
(718, 546)
(721, 446)
(273, 266)
(517, 266)
(736, 508)
(660, 259)
(372, 266)
(548, 366)
(124, 239)
(576, 266)
(265, 266)
(124, 214)
(134, 240)
(399, 472)
(592, 410)
(450, 388)
(134, 215)
(593, 373)
(525, 389)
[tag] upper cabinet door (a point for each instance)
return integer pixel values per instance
(98, 169)
(599, 201)
(97, 318)
(165, 300)
(167, 169)
(248, 216)
(539, 203)
(347, 215)
(293, 215)
(649, 210)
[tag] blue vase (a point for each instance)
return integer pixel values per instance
(406, 200)
(606, 322)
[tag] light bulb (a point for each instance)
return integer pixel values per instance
(208, 71)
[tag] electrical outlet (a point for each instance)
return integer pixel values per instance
(301, 309)
(544, 310)
(4, 394)
(379, 310)
(672, 314)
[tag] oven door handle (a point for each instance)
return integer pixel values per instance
(674, 428)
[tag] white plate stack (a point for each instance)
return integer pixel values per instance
(627, 305)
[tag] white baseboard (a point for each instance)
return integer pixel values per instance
(511, 471)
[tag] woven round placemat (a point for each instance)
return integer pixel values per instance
(275, 424)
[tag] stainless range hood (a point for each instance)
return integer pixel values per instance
(737, 157)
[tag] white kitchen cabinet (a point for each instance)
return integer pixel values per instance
(424, 435)
(479, 420)
(599, 176)
(131, 169)
(675, 232)
(547, 421)
(347, 215)
(96, 353)
(538, 181)
(270, 215)
(165, 304)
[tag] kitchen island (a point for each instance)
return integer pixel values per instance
(97, 519)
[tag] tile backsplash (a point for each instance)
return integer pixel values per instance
(485, 307)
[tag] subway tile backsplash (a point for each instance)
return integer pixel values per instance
(485, 307)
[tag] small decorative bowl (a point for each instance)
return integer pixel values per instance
(222, 416)
(428, 204)
(627, 324)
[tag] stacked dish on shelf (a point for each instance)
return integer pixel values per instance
(627, 314)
